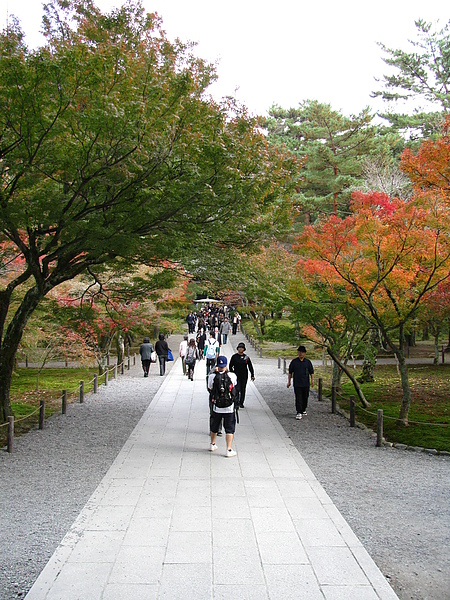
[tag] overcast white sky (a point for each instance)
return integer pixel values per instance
(283, 51)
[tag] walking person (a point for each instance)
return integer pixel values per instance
(201, 341)
(235, 323)
(191, 358)
(162, 350)
(301, 370)
(145, 350)
(221, 384)
(225, 329)
(241, 365)
(211, 352)
(182, 352)
(190, 319)
(217, 336)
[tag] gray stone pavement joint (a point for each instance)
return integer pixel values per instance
(171, 520)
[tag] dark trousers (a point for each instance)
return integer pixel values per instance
(146, 366)
(210, 364)
(215, 422)
(190, 370)
(234, 328)
(301, 399)
(162, 365)
(241, 387)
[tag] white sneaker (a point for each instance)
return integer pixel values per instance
(213, 447)
(299, 416)
(305, 413)
(230, 453)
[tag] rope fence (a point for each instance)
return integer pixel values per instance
(68, 396)
(379, 415)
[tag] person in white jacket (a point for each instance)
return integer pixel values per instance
(182, 352)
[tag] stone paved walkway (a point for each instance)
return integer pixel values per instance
(172, 520)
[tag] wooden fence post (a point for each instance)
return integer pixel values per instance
(319, 389)
(128, 364)
(10, 434)
(379, 427)
(279, 361)
(41, 414)
(352, 411)
(333, 399)
(122, 368)
(81, 392)
(284, 366)
(106, 376)
(64, 402)
(95, 383)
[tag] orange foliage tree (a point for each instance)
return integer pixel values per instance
(389, 254)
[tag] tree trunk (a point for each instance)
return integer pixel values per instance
(402, 368)
(262, 323)
(406, 401)
(344, 368)
(254, 319)
(436, 346)
(120, 347)
(10, 344)
(337, 376)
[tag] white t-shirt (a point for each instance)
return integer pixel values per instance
(227, 409)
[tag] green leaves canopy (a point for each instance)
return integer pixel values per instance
(110, 149)
(332, 148)
(423, 74)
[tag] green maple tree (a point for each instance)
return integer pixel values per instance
(111, 153)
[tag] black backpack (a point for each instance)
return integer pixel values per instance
(223, 391)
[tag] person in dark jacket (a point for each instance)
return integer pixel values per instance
(301, 370)
(145, 351)
(201, 340)
(240, 364)
(162, 350)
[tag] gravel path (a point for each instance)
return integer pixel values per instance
(397, 502)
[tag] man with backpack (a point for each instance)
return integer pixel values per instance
(222, 385)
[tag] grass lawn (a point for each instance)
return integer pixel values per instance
(430, 403)
(430, 389)
(25, 398)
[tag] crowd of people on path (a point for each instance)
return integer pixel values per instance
(210, 326)
(208, 331)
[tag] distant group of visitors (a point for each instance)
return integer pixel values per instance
(226, 382)
(150, 355)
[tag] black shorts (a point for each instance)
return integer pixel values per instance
(229, 421)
